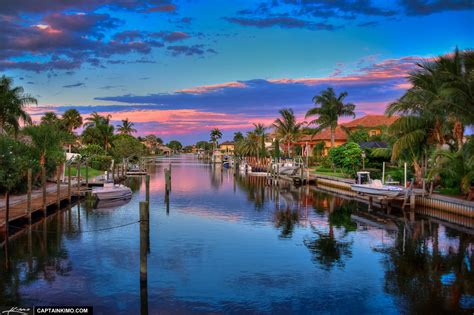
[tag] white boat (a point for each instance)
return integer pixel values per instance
(244, 167)
(377, 188)
(111, 192)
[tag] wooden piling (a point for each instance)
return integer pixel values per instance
(28, 195)
(7, 215)
(87, 174)
(58, 187)
(78, 180)
(168, 179)
(69, 183)
(43, 186)
(147, 182)
(144, 227)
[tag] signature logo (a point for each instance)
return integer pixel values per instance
(17, 311)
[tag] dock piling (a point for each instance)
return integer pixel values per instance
(147, 182)
(78, 179)
(144, 227)
(28, 195)
(69, 183)
(58, 187)
(43, 187)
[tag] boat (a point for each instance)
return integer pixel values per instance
(111, 204)
(377, 188)
(244, 167)
(112, 192)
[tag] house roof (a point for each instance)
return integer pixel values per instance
(373, 144)
(227, 143)
(325, 134)
(370, 121)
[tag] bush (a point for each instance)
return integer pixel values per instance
(347, 156)
(101, 162)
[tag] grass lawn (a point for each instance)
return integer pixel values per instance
(92, 172)
(329, 172)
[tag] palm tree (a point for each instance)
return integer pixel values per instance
(12, 103)
(50, 118)
(287, 128)
(72, 119)
(98, 130)
(126, 128)
(249, 146)
(330, 109)
(260, 132)
(216, 134)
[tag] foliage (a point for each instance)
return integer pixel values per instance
(126, 128)
(98, 130)
(50, 118)
(249, 146)
(14, 161)
(330, 108)
(126, 146)
(238, 136)
(286, 127)
(347, 156)
(71, 119)
(358, 135)
(174, 145)
(318, 150)
(216, 134)
(204, 145)
(97, 157)
(12, 103)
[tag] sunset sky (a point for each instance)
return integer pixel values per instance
(180, 68)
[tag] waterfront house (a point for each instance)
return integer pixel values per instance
(227, 147)
(374, 124)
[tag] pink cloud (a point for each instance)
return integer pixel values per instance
(213, 87)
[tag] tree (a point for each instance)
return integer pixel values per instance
(238, 136)
(286, 127)
(12, 103)
(174, 145)
(330, 108)
(71, 120)
(13, 163)
(50, 118)
(347, 156)
(260, 132)
(126, 128)
(126, 146)
(216, 134)
(204, 145)
(249, 146)
(98, 130)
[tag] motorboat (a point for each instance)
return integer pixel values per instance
(111, 191)
(375, 187)
(244, 167)
(111, 204)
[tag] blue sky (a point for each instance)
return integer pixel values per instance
(180, 68)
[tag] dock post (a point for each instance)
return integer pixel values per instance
(147, 182)
(78, 180)
(7, 216)
(87, 174)
(412, 201)
(144, 226)
(28, 197)
(58, 187)
(168, 179)
(43, 186)
(69, 182)
(383, 172)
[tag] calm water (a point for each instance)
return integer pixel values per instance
(234, 245)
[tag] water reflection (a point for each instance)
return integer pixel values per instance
(233, 243)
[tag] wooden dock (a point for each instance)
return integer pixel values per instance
(19, 204)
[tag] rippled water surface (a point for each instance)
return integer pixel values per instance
(231, 244)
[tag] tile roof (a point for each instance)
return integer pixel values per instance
(325, 134)
(369, 121)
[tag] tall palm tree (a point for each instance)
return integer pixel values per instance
(260, 132)
(286, 127)
(12, 103)
(216, 134)
(249, 146)
(98, 126)
(126, 128)
(330, 108)
(72, 119)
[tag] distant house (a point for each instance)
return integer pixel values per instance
(374, 124)
(164, 149)
(227, 147)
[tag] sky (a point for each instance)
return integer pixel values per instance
(178, 69)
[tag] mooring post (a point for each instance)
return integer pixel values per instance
(43, 187)
(113, 173)
(7, 216)
(168, 179)
(167, 201)
(69, 182)
(87, 174)
(147, 182)
(412, 201)
(28, 198)
(144, 223)
(58, 187)
(78, 180)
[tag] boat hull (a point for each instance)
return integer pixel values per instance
(388, 191)
(115, 193)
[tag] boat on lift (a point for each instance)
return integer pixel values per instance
(111, 191)
(375, 187)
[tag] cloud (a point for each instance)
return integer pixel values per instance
(163, 8)
(283, 22)
(78, 84)
(184, 50)
(368, 24)
(424, 7)
(171, 36)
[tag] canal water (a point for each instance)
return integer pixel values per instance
(232, 244)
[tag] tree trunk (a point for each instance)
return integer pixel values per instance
(418, 171)
(333, 130)
(458, 132)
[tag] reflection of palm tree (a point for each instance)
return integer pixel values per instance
(327, 250)
(286, 220)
